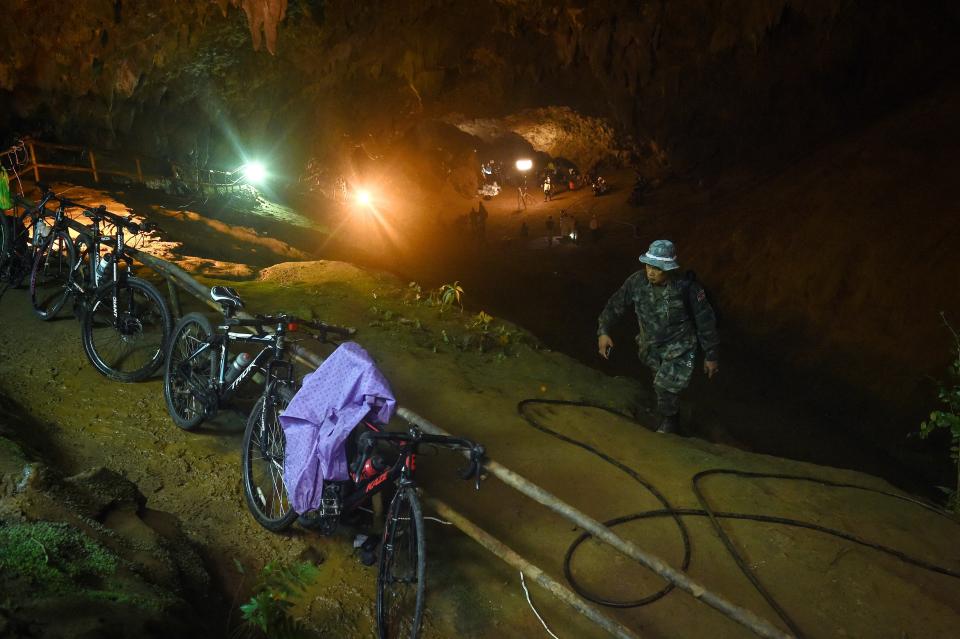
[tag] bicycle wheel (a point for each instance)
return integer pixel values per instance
(401, 574)
(125, 336)
(16, 259)
(183, 372)
(5, 230)
(50, 278)
(262, 462)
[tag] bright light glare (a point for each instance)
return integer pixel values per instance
(254, 172)
(524, 165)
(363, 198)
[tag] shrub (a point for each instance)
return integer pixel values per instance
(948, 419)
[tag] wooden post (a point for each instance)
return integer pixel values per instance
(33, 158)
(139, 170)
(93, 166)
(174, 299)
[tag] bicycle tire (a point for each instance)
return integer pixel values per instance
(5, 240)
(186, 409)
(15, 260)
(50, 276)
(403, 560)
(126, 325)
(263, 440)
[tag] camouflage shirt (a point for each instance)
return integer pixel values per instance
(663, 317)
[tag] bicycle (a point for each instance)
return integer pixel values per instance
(197, 380)
(20, 236)
(401, 572)
(124, 320)
(57, 261)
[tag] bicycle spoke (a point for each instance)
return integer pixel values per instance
(263, 465)
(127, 342)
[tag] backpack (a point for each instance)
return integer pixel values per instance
(689, 278)
(5, 201)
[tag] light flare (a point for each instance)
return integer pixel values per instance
(254, 172)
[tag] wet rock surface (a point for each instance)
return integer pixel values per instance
(84, 557)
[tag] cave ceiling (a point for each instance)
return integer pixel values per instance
(678, 82)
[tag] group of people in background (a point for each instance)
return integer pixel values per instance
(569, 228)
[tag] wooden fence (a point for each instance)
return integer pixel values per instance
(27, 156)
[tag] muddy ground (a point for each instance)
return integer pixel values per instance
(831, 588)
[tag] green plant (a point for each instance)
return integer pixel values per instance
(53, 557)
(482, 321)
(948, 393)
(274, 595)
(450, 293)
(413, 294)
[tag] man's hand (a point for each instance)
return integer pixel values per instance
(605, 344)
(711, 368)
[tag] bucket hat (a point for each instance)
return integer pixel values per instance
(662, 254)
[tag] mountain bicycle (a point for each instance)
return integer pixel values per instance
(59, 260)
(20, 236)
(201, 374)
(401, 572)
(124, 320)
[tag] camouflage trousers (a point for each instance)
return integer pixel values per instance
(672, 367)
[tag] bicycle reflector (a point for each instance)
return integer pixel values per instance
(293, 327)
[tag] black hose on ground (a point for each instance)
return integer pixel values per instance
(677, 515)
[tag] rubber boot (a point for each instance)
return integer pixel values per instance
(668, 424)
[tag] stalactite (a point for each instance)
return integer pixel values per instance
(263, 16)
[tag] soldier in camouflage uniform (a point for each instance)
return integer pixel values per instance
(668, 334)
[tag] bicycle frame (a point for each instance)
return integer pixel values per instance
(268, 359)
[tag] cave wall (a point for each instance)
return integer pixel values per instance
(688, 88)
(691, 82)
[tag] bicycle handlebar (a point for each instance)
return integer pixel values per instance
(477, 451)
(293, 323)
(101, 213)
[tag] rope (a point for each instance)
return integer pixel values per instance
(681, 526)
(534, 609)
(706, 511)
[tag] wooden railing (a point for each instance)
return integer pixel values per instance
(27, 156)
(35, 165)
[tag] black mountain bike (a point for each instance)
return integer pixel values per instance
(20, 236)
(201, 374)
(124, 320)
(401, 572)
(59, 260)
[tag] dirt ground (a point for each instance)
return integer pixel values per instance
(831, 588)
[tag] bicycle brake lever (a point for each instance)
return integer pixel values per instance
(475, 469)
(480, 451)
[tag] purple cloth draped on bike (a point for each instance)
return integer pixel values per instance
(330, 403)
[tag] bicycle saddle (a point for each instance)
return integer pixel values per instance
(226, 297)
